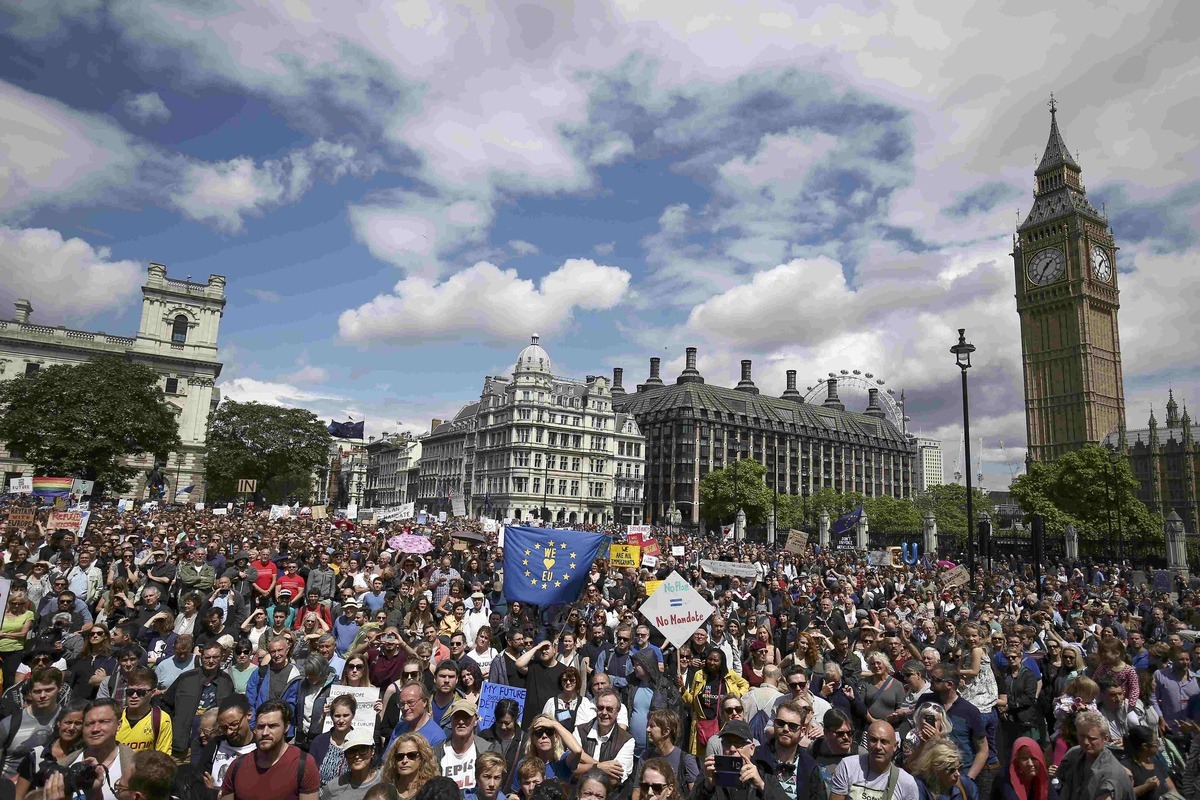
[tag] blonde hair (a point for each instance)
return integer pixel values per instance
(427, 769)
(1084, 688)
(555, 742)
(938, 755)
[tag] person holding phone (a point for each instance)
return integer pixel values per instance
(735, 774)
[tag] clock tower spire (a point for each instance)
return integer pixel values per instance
(1064, 262)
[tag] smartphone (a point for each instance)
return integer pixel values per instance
(728, 770)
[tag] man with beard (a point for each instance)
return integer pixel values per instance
(504, 666)
(796, 770)
(275, 769)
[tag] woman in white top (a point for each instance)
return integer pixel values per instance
(186, 621)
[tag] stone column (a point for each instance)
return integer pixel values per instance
(1072, 537)
(1176, 543)
(739, 526)
(823, 530)
(930, 533)
(860, 531)
(771, 526)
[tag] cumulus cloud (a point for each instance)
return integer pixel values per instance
(67, 280)
(418, 233)
(279, 393)
(147, 108)
(521, 247)
(485, 301)
(224, 193)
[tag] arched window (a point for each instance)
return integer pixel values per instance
(179, 330)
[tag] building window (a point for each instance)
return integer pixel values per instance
(562, 487)
(537, 485)
(31, 368)
(574, 488)
(172, 386)
(537, 460)
(575, 464)
(179, 329)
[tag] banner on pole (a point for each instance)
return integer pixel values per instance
(730, 568)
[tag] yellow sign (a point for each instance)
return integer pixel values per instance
(652, 587)
(625, 555)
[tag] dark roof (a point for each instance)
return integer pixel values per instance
(459, 424)
(1061, 201)
(1056, 154)
(1165, 434)
(760, 407)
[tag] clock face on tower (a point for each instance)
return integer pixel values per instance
(1101, 266)
(1047, 266)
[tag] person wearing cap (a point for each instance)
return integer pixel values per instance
(753, 780)
(456, 756)
(160, 571)
(359, 751)
(346, 627)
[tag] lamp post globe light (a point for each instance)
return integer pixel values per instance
(962, 356)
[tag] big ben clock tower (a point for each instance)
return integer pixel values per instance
(1064, 260)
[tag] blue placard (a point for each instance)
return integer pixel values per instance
(492, 693)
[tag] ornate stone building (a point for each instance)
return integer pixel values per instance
(693, 428)
(177, 337)
(1064, 260)
(388, 460)
(1165, 460)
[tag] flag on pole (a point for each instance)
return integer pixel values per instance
(847, 522)
(52, 487)
(545, 566)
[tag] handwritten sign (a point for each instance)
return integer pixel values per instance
(22, 516)
(649, 561)
(676, 609)
(625, 555)
(71, 520)
(879, 558)
(652, 587)
(731, 568)
(959, 576)
(678, 550)
(797, 542)
(492, 693)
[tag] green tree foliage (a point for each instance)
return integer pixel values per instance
(893, 515)
(86, 420)
(1090, 489)
(740, 484)
(278, 447)
(948, 502)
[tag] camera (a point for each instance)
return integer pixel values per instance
(77, 778)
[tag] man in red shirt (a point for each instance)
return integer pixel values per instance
(292, 581)
(275, 770)
(264, 584)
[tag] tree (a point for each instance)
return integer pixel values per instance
(893, 515)
(836, 503)
(948, 502)
(278, 447)
(87, 420)
(1090, 489)
(721, 494)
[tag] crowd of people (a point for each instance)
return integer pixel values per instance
(173, 652)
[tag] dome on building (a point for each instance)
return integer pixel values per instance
(533, 358)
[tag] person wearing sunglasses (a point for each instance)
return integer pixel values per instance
(787, 757)
(409, 764)
(143, 726)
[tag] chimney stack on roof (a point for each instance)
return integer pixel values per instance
(831, 395)
(873, 407)
(654, 379)
(24, 309)
(791, 393)
(617, 389)
(690, 374)
(746, 384)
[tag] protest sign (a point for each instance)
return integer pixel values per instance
(678, 550)
(60, 503)
(279, 512)
(492, 693)
(352, 511)
(650, 547)
(638, 531)
(123, 505)
(625, 555)
(730, 568)
(879, 558)
(676, 609)
(220, 512)
(649, 561)
(199, 506)
(959, 576)
(489, 526)
(319, 512)
(5, 588)
(22, 516)
(1162, 580)
(458, 506)
(81, 488)
(20, 486)
(797, 542)
(364, 697)
(652, 587)
(422, 518)
(71, 520)
(441, 516)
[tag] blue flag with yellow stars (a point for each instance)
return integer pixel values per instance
(545, 566)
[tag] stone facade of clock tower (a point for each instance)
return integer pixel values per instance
(1064, 260)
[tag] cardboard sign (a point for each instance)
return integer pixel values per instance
(879, 558)
(319, 512)
(650, 547)
(352, 511)
(364, 697)
(652, 587)
(678, 550)
(458, 506)
(638, 531)
(71, 520)
(625, 555)
(22, 516)
(797, 542)
(730, 568)
(20, 486)
(959, 576)
(220, 512)
(492, 693)
(676, 609)
(649, 561)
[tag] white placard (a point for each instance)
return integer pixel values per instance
(643, 530)
(365, 697)
(489, 526)
(5, 588)
(441, 516)
(352, 511)
(649, 561)
(20, 486)
(220, 512)
(279, 512)
(731, 568)
(678, 550)
(676, 609)
(199, 506)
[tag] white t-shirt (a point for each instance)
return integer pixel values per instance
(460, 768)
(114, 775)
(484, 659)
(852, 780)
(224, 756)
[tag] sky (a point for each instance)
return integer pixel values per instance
(400, 194)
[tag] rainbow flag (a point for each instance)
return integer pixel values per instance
(52, 487)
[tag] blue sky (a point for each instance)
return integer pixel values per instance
(399, 196)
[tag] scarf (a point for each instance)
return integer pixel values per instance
(1039, 788)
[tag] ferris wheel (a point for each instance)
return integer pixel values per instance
(854, 390)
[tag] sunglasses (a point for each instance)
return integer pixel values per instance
(781, 724)
(137, 692)
(653, 788)
(409, 755)
(540, 732)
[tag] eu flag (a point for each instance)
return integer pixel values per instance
(847, 522)
(545, 566)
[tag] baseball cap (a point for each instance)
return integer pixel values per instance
(478, 596)
(738, 728)
(461, 704)
(358, 737)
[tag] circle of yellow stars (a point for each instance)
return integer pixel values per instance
(566, 576)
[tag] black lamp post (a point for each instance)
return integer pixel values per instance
(962, 355)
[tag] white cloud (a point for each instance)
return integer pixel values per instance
(485, 301)
(418, 233)
(66, 280)
(55, 155)
(307, 373)
(224, 193)
(605, 248)
(279, 393)
(523, 248)
(265, 295)
(147, 108)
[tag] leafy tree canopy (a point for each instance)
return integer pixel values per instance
(278, 447)
(86, 420)
(740, 485)
(1089, 488)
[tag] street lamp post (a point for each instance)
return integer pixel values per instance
(962, 356)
